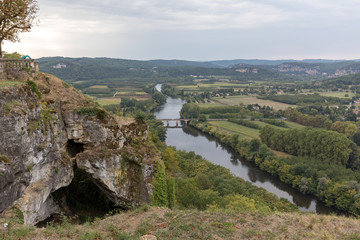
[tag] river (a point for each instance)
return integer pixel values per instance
(190, 139)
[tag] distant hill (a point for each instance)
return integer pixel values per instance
(105, 69)
(180, 63)
(326, 69)
(263, 62)
(343, 81)
(258, 62)
(77, 69)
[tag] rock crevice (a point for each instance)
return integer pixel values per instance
(42, 139)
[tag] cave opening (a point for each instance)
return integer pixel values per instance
(73, 148)
(82, 201)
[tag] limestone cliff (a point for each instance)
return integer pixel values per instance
(47, 129)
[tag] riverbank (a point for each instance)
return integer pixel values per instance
(210, 148)
(338, 194)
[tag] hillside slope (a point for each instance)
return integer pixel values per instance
(193, 224)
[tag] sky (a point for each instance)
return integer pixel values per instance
(199, 30)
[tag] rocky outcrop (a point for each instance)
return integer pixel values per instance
(43, 139)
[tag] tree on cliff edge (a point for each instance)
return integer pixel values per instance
(16, 16)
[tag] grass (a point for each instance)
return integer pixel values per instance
(202, 87)
(294, 125)
(99, 86)
(236, 100)
(211, 104)
(337, 94)
(11, 83)
(108, 101)
(243, 131)
(235, 128)
(132, 93)
(193, 224)
(216, 85)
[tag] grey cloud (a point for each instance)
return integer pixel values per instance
(195, 29)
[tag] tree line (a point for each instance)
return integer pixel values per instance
(327, 146)
(333, 182)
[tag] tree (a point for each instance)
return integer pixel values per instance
(140, 117)
(160, 191)
(16, 16)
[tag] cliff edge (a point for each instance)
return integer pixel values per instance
(47, 129)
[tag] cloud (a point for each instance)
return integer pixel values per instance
(170, 14)
(211, 28)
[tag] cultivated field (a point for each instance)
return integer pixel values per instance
(202, 87)
(247, 132)
(337, 94)
(236, 100)
(108, 101)
(99, 86)
(229, 127)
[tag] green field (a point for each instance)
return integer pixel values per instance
(294, 125)
(229, 127)
(202, 87)
(337, 94)
(236, 100)
(108, 101)
(247, 132)
(211, 104)
(290, 125)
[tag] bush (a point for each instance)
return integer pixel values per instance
(160, 191)
(98, 112)
(34, 87)
(140, 117)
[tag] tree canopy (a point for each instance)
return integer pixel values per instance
(16, 16)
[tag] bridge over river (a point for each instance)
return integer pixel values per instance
(185, 120)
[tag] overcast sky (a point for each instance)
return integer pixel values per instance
(195, 29)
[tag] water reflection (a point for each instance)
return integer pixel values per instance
(210, 148)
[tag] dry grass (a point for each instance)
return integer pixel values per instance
(193, 224)
(56, 90)
(99, 86)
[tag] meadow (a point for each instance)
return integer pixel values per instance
(246, 100)
(225, 126)
(246, 132)
(337, 94)
(203, 87)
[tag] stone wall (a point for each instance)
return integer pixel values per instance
(17, 68)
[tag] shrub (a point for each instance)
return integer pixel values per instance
(98, 112)
(160, 192)
(140, 117)
(34, 87)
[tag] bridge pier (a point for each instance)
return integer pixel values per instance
(177, 121)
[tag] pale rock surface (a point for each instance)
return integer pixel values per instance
(36, 160)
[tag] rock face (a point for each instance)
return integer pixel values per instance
(42, 140)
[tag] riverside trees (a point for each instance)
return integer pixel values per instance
(16, 16)
(328, 146)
